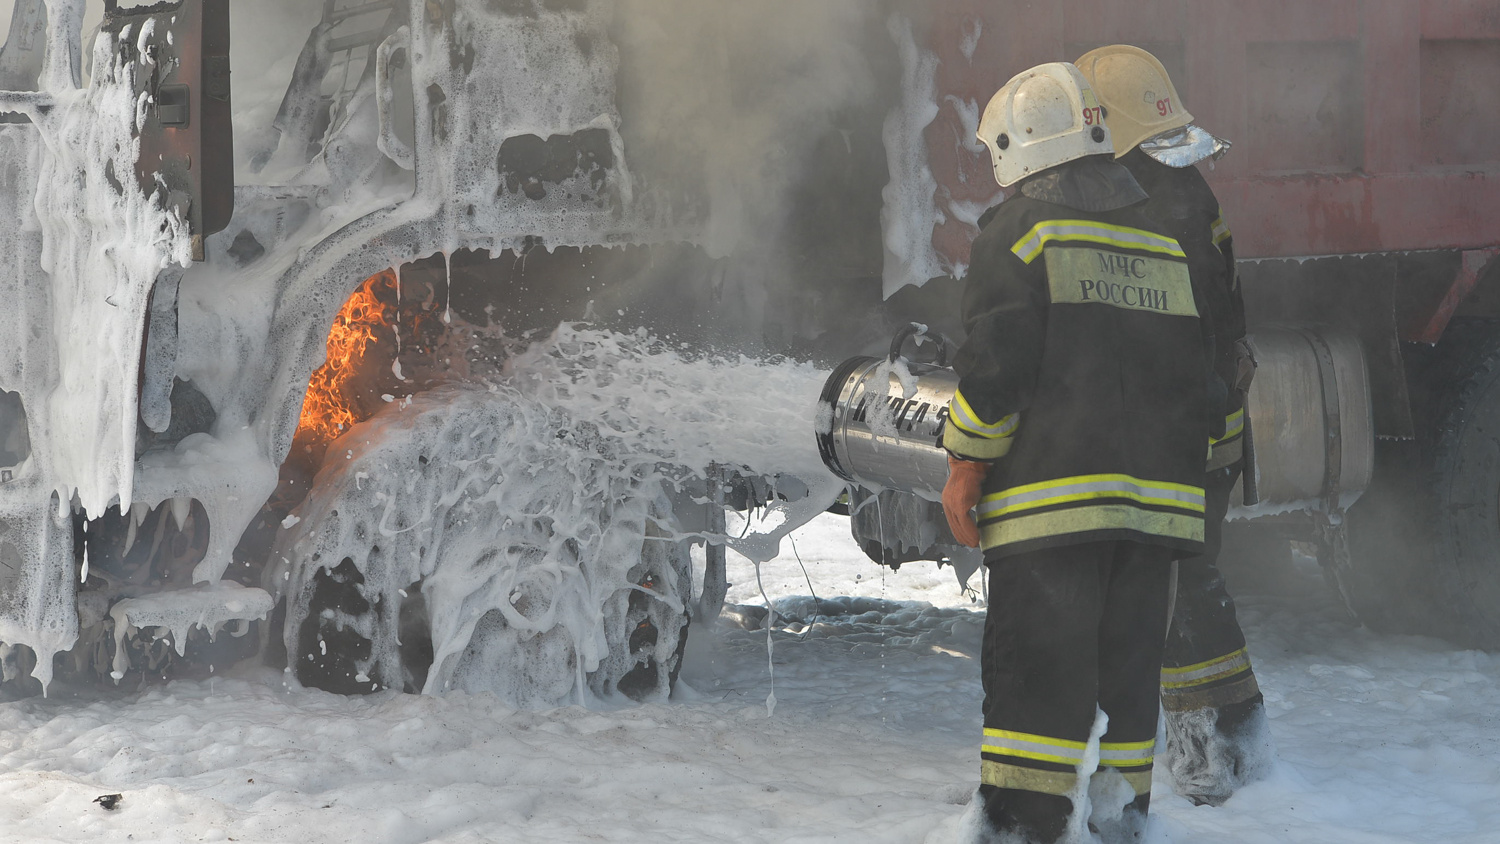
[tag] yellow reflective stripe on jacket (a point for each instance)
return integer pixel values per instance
(1023, 528)
(1030, 746)
(962, 415)
(1225, 453)
(1127, 754)
(1206, 672)
(1228, 449)
(1048, 231)
(1086, 487)
(964, 444)
(1220, 231)
(1234, 425)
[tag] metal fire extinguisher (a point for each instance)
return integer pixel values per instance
(880, 422)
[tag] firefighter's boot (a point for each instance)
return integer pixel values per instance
(1211, 752)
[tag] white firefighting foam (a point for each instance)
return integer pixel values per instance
(527, 510)
(101, 243)
(104, 242)
(748, 414)
(210, 606)
(910, 211)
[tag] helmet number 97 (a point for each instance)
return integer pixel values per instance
(1164, 107)
(1093, 116)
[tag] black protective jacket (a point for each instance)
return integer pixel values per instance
(1183, 206)
(1082, 377)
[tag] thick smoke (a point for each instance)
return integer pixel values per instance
(767, 117)
(738, 94)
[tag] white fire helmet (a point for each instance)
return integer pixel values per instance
(1142, 107)
(1042, 118)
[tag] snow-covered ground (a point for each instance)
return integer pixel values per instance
(871, 739)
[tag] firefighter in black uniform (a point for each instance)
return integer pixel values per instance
(1078, 432)
(1217, 737)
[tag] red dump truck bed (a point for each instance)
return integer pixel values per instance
(1359, 125)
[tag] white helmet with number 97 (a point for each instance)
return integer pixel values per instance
(1043, 117)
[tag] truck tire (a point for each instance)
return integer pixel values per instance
(1389, 585)
(1425, 538)
(647, 626)
(1466, 495)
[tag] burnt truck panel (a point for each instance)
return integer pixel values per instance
(25, 46)
(186, 128)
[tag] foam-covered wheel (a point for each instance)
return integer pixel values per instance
(647, 624)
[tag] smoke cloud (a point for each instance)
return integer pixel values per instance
(739, 94)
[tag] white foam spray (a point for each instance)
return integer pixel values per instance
(529, 509)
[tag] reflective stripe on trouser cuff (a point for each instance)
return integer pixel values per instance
(962, 415)
(1127, 754)
(1005, 775)
(964, 444)
(1132, 759)
(1208, 671)
(1225, 453)
(1082, 488)
(1089, 518)
(1210, 697)
(1030, 245)
(1062, 783)
(1029, 746)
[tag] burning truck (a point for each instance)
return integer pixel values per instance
(304, 392)
(424, 344)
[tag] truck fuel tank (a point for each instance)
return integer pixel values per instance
(1310, 412)
(880, 422)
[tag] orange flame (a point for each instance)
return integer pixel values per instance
(332, 404)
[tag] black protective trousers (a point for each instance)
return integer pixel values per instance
(1205, 664)
(1069, 631)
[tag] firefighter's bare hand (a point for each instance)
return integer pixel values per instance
(961, 495)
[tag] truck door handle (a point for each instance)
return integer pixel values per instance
(173, 105)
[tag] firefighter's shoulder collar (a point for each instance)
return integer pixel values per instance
(1094, 184)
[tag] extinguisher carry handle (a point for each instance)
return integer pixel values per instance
(1249, 483)
(917, 329)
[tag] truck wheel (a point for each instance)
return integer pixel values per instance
(1425, 538)
(647, 625)
(1466, 495)
(1389, 584)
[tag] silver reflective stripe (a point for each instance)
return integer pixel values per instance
(964, 417)
(1127, 754)
(1220, 231)
(1206, 672)
(1028, 746)
(1234, 425)
(1093, 486)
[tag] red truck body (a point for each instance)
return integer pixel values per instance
(1360, 126)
